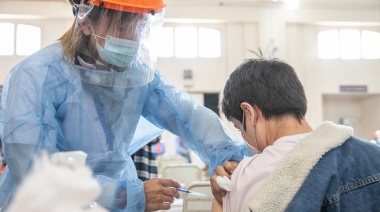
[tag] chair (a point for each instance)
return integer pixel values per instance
(166, 160)
(192, 203)
(183, 173)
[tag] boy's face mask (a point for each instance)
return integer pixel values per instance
(251, 150)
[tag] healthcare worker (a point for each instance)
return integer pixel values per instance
(97, 90)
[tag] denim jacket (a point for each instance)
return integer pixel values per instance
(327, 171)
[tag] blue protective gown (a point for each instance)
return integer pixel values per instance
(47, 106)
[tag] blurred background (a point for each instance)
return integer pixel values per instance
(334, 45)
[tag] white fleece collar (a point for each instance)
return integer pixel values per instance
(285, 181)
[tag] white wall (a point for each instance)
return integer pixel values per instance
(371, 116)
(324, 77)
(348, 107)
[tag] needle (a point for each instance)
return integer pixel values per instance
(191, 192)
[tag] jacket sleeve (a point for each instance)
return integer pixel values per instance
(200, 127)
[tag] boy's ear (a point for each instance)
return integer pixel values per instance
(248, 110)
(257, 111)
(244, 106)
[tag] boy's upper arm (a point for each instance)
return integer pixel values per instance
(216, 207)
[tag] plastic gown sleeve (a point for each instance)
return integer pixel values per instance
(22, 135)
(31, 125)
(200, 127)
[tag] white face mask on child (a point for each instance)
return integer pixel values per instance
(251, 150)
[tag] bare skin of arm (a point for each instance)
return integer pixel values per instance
(225, 170)
(216, 207)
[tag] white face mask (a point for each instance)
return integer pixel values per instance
(251, 150)
(117, 51)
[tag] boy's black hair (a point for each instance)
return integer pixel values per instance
(271, 84)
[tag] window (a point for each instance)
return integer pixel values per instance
(189, 42)
(209, 42)
(164, 42)
(370, 45)
(328, 44)
(348, 44)
(185, 42)
(26, 39)
(7, 39)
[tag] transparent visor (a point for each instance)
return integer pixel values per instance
(116, 47)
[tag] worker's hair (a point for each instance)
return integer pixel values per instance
(74, 41)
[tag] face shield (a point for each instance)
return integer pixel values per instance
(116, 41)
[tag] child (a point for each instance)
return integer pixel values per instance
(297, 168)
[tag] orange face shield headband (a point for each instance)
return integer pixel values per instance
(133, 6)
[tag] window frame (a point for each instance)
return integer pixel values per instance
(217, 26)
(339, 28)
(15, 24)
(14, 40)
